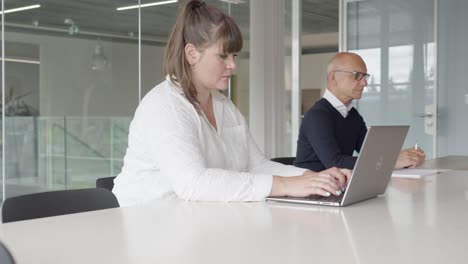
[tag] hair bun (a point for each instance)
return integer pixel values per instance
(197, 4)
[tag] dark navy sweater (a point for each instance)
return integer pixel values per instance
(327, 139)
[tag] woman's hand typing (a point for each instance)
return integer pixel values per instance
(328, 182)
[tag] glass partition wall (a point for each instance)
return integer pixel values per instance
(397, 41)
(71, 86)
(74, 72)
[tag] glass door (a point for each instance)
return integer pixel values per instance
(396, 39)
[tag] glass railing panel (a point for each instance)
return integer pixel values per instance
(52, 153)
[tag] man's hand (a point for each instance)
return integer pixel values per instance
(410, 158)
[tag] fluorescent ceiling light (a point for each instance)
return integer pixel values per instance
(19, 9)
(146, 5)
(21, 60)
(236, 2)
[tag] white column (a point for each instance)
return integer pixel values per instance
(296, 54)
(266, 103)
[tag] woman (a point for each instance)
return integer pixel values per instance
(189, 141)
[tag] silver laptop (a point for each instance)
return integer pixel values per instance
(372, 171)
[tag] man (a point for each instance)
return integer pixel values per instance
(332, 129)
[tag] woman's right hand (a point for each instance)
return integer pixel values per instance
(325, 183)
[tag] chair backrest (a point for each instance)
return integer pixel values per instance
(106, 183)
(54, 203)
(5, 255)
(284, 160)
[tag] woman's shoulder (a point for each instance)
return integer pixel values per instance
(164, 104)
(161, 91)
(165, 94)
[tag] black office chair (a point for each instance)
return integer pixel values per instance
(284, 160)
(55, 203)
(5, 255)
(106, 183)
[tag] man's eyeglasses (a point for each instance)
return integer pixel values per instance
(357, 75)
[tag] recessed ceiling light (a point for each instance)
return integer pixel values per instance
(19, 9)
(146, 5)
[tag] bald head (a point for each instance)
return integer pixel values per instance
(346, 72)
(344, 61)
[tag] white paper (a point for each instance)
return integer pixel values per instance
(416, 173)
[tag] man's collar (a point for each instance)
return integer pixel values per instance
(335, 102)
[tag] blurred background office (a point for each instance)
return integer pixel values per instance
(73, 73)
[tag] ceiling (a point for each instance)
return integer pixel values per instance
(88, 18)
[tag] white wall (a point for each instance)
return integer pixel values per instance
(314, 66)
(268, 119)
(314, 70)
(320, 40)
(69, 87)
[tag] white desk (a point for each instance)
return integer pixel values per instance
(417, 221)
(448, 162)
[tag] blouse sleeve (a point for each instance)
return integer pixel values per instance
(176, 148)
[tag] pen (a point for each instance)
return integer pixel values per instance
(416, 146)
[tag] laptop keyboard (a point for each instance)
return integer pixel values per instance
(314, 198)
(331, 198)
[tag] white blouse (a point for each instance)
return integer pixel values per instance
(175, 152)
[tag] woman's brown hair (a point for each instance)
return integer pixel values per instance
(201, 25)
